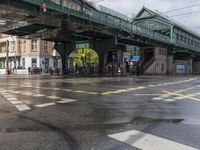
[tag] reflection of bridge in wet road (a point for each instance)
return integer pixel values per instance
(48, 113)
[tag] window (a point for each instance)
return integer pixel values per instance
(3, 48)
(12, 46)
(24, 46)
(19, 46)
(23, 62)
(34, 62)
(34, 45)
(45, 46)
(162, 67)
(47, 63)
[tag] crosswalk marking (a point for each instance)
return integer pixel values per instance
(45, 105)
(147, 141)
(65, 100)
(8, 96)
(169, 100)
(16, 102)
(27, 93)
(182, 95)
(39, 95)
(22, 107)
(53, 97)
(157, 98)
(12, 99)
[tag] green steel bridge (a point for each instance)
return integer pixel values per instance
(76, 20)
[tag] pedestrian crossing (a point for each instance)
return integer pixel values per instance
(14, 101)
(60, 89)
(146, 141)
(21, 106)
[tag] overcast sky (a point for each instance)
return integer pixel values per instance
(130, 7)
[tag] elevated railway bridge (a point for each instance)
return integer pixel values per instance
(163, 43)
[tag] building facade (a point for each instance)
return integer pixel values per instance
(24, 54)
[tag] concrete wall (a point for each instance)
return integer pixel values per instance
(159, 66)
(196, 67)
(182, 67)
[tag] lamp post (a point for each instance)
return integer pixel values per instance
(15, 49)
(7, 51)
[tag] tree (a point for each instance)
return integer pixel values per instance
(86, 57)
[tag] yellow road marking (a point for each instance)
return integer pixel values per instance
(143, 87)
(151, 94)
(182, 95)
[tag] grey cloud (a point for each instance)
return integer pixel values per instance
(130, 7)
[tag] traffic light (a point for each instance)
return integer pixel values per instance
(44, 7)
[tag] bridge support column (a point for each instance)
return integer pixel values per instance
(159, 64)
(64, 50)
(170, 68)
(196, 65)
(104, 48)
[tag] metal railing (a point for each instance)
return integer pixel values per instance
(112, 19)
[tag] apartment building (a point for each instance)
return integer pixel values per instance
(23, 53)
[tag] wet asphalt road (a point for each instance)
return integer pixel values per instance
(63, 113)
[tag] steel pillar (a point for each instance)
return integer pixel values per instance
(64, 49)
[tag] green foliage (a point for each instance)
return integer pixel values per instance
(85, 57)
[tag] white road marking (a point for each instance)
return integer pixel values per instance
(27, 93)
(16, 92)
(92, 93)
(68, 90)
(169, 100)
(194, 94)
(147, 141)
(45, 105)
(78, 91)
(157, 98)
(65, 100)
(16, 102)
(39, 95)
(8, 96)
(179, 97)
(56, 89)
(12, 99)
(22, 107)
(53, 97)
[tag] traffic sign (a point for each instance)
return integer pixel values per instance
(82, 45)
(113, 57)
(135, 58)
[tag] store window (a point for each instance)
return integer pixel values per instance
(23, 62)
(34, 62)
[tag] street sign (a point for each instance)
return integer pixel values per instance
(130, 48)
(135, 58)
(44, 8)
(82, 45)
(113, 57)
(126, 59)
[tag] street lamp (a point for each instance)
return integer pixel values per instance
(7, 51)
(15, 49)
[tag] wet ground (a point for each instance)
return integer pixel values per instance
(99, 113)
